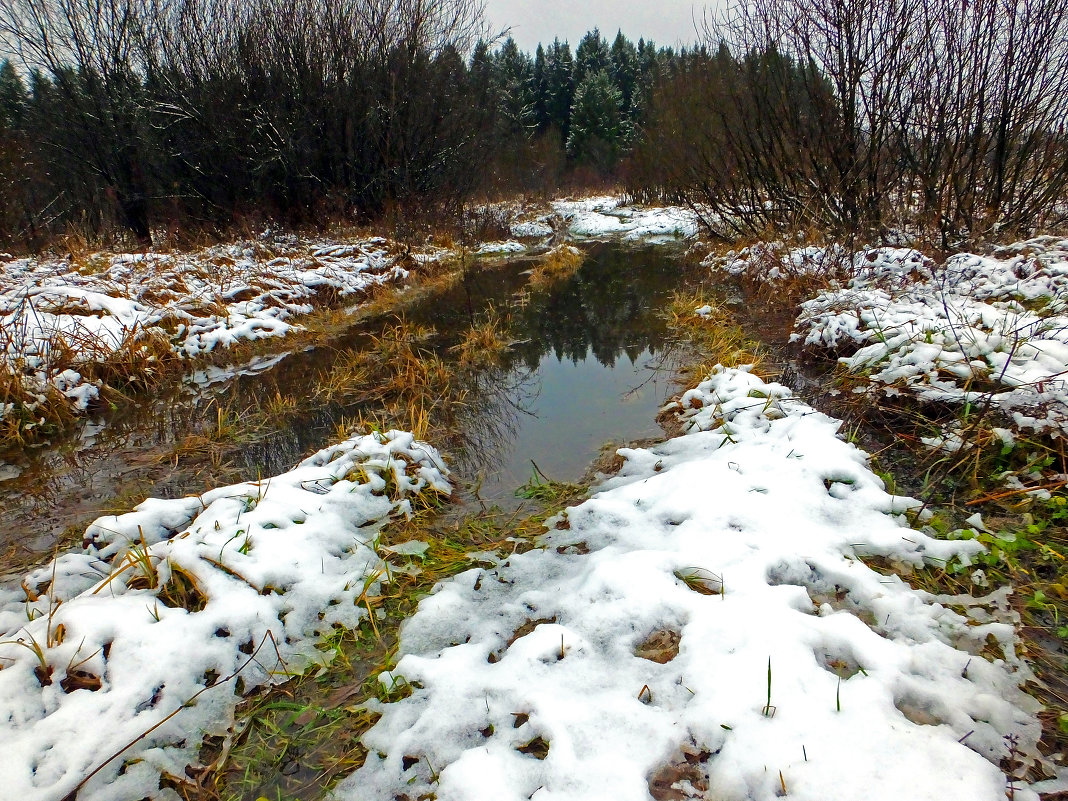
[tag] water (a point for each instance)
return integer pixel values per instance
(591, 362)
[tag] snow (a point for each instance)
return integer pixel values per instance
(972, 330)
(532, 229)
(607, 217)
(279, 562)
(197, 302)
(761, 503)
(773, 261)
(501, 248)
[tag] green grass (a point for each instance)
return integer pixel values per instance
(296, 740)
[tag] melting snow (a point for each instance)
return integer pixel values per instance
(288, 557)
(604, 217)
(632, 650)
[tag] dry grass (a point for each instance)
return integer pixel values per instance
(398, 374)
(484, 343)
(227, 427)
(715, 336)
(32, 408)
(557, 265)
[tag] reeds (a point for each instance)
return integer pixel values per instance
(557, 265)
(716, 338)
(484, 343)
(400, 375)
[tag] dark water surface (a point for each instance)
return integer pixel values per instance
(591, 362)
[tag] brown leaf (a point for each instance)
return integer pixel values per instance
(661, 646)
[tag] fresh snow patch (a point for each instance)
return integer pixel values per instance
(632, 649)
(976, 329)
(606, 217)
(533, 229)
(278, 562)
(502, 248)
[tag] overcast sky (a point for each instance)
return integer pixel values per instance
(666, 22)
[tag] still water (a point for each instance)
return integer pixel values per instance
(591, 362)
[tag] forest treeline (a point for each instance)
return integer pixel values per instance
(137, 114)
(145, 116)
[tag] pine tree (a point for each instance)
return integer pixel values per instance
(592, 55)
(514, 78)
(540, 90)
(625, 74)
(13, 96)
(559, 86)
(599, 132)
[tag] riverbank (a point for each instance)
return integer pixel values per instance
(776, 604)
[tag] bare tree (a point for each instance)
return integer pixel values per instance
(863, 115)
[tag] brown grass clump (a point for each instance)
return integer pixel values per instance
(559, 264)
(28, 414)
(484, 343)
(714, 335)
(398, 372)
(218, 437)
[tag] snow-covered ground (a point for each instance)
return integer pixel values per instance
(226, 590)
(607, 217)
(973, 330)
(55, 312)
(633, 653)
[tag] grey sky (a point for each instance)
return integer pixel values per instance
(666, 22)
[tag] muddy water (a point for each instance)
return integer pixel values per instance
(591, 362)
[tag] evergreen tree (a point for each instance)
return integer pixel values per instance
(514, 78)
(625, 74)
(559, 86)
(599, 131)
(592, 55)
(539, 89)
(13, 96)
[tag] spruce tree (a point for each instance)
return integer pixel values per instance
(598, 132)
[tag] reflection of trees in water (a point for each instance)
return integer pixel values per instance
(490, 418)
(610, 307)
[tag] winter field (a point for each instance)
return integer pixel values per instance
(727, 615)
(63, 321)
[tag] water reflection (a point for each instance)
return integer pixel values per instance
(590, 363)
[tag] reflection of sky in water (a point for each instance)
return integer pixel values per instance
(580, 406)
(554, 400)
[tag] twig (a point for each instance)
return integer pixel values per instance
(73, 794)
(1008, 494)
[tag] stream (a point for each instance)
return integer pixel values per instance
(591, 362)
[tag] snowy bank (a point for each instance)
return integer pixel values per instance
(973, 330)
(704, 627)
(56, 313)
(225, 591)
(607, 217)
